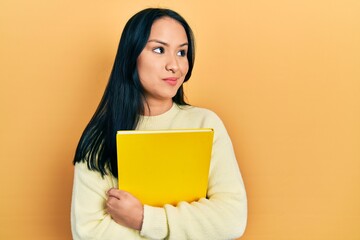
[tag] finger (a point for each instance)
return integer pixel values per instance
(112, 203)
(116, 193)
(119, 194)
(110, 190)
(112, 200)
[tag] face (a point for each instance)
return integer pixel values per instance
(163, 64)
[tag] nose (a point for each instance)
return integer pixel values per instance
(172, 64)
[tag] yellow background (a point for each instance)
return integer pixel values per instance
(283, 75)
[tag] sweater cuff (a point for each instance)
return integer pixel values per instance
(154, 223)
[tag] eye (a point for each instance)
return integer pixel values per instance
(182, 53)
(159, 50)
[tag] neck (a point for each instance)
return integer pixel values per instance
(152, 108)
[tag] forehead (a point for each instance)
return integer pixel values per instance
(168, 30)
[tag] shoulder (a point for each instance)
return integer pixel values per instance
(202, 117)
(198, 112)
(82, 171)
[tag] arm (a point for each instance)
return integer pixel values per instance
(223, 214)
(89, 219)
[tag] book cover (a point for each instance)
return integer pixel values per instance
(164, 167)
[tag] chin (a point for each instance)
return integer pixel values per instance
(170, 95)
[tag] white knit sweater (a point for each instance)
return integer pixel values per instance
(222, 215)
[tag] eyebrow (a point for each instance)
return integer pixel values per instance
(166, 44)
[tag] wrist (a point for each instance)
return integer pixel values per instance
(154, 224)
(141, 220)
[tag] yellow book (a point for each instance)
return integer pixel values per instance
(164, 167)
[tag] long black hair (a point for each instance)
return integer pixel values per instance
(123, 99)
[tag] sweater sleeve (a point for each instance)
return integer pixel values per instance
(223, 214)
(89, 219)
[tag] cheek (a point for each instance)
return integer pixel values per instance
(148, 66)
(184, 67)
(142, 69)
(141, 66)
(143, 62)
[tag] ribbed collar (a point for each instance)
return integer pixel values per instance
(159, 121)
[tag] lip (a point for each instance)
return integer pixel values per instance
(171, 80)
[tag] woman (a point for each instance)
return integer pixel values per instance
(145, 91)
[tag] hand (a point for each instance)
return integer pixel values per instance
(125, 209)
